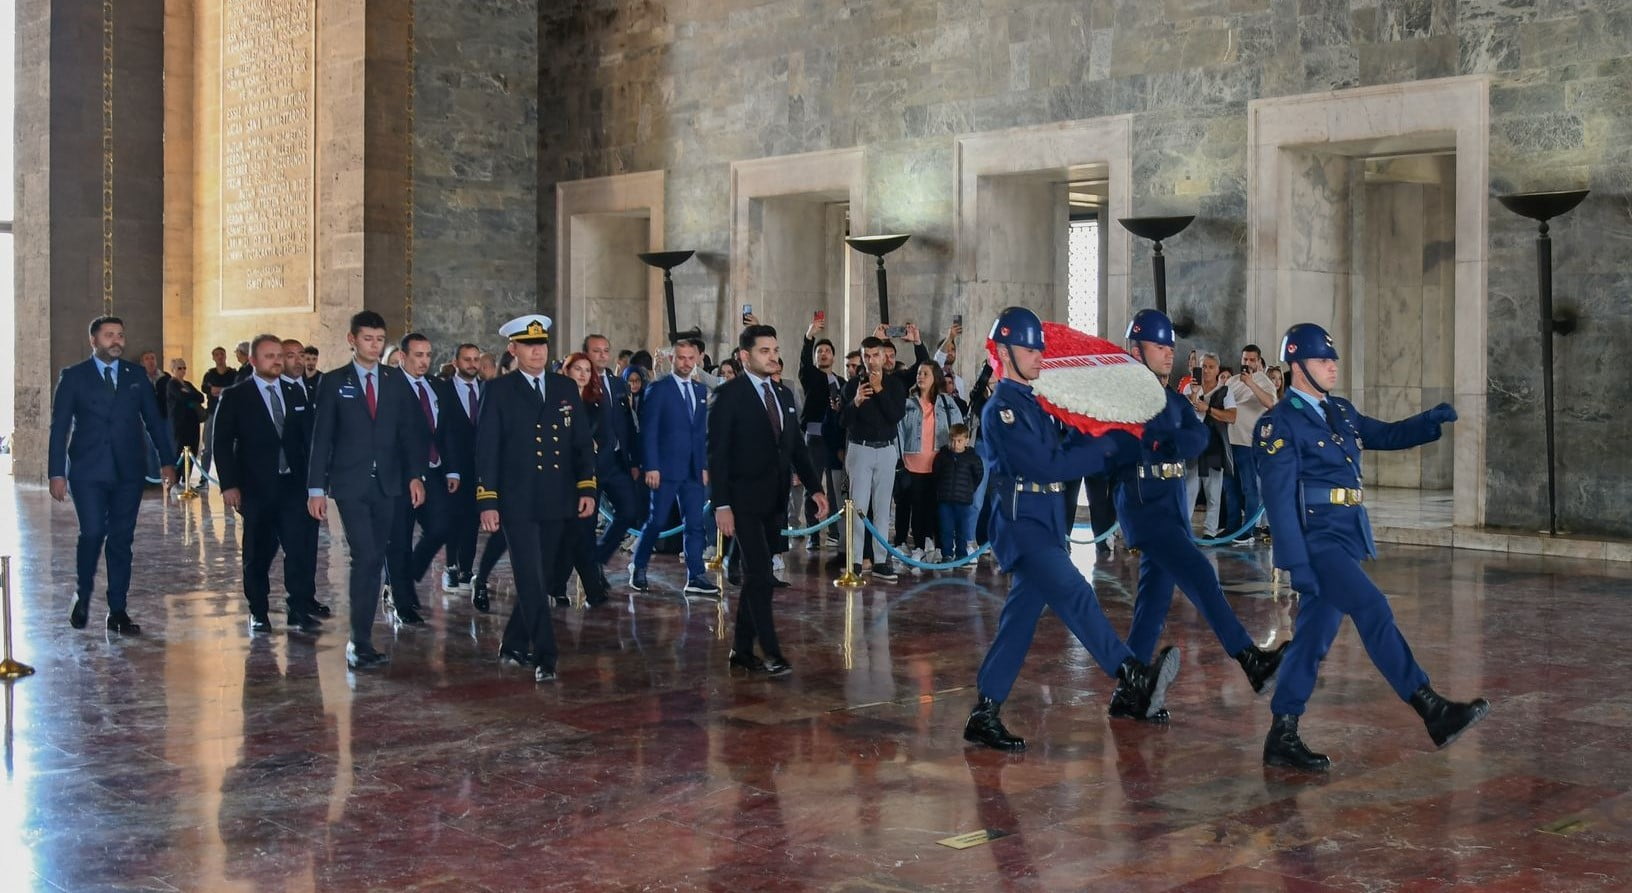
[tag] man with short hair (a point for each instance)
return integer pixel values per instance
(369, 445)
(447, 464)
(314, 375)
(674, 455)
(263, 434)
(852, 364)
(99, 413)
(1248, 397)
(245, 368)
(824, 395)
(623, 361)
(753, 443)
(873, 406)
(160, 380)
(216, 379)
(617, 466)
(462, 523)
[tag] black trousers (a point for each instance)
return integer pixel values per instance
(280, 521)
(407, 562)
(755, 533)
(367, 522)
(537, 547)
(631, 502)
(462, 526)
(820, 459)
(495, 548)
(578, 553)
(917, 513)
(1101, 510)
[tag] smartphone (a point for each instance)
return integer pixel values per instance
(821, 316)
(1195, 372)
(957, 319)
(895, 331)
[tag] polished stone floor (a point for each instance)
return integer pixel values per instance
(200, 757)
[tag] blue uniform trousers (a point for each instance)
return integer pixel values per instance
(1344, 589)
(692, 496)
(107, 517)
(1173, 558)
(1043, 577)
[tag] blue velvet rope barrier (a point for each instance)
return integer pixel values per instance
(679, 528)
(1098, 539)
(1221, 540)
(924, 565)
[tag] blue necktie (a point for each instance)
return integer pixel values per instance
(107, 376)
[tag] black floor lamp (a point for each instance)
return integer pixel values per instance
(1156, 229)
(1542, 207)
(667, 261)
(878, 246)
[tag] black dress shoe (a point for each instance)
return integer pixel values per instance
(81, 613)
(321, 609)
(479, 598)
(1283, 748)
(1147, 683)
(779, 583)
(304, 622)
(1260, 665)
(986, 729)
(364, 659)
(777, 665)
(543, 674)
(509, 657)
(1123, 707)
(260, 623)
(120, 622)
(409, 616)
(560, 600)
(1446, 720)
(746, 661)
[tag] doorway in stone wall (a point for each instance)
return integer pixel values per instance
(799, 266)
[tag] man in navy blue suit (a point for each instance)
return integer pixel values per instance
(448, 462)
(674, 450)
(369, 447)
(617, 464)
(97, 445)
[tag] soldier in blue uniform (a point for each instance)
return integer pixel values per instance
(1151, 506)
(1309, 462)
(1028, 457)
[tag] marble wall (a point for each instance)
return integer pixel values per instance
(691, 87)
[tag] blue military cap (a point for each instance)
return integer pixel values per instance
(1151, 327)
(1307, 341)
(1018, 327)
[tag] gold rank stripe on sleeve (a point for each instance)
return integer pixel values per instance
(587, 485)
(484, 493)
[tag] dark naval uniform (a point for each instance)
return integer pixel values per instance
(1155, 517)
(1309, 465)
(535, 458)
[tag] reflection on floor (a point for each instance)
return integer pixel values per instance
(199, 757)
(1409, 508)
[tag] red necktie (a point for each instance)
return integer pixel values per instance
(774, 410)
(368, 394)
(430, 419)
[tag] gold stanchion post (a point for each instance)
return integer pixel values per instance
(849, 579)
(718, 561)
(9, 669)
(187, 491)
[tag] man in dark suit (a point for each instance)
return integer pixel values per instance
(369, 446)
(466, 386)
(314, 376)
(535, 470)
(674, 453)
(263, 430)
(617, 466)
(97, 417)
(753, 439)
(445, 469)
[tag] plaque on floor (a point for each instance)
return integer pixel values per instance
(972, 838)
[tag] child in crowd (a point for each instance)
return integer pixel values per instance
(958, 470)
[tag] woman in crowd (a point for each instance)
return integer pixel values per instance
(578, 547)
(926, 427)
(186, 405)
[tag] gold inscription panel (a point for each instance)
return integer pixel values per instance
(267, 155)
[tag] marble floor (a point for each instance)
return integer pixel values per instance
(200, 757)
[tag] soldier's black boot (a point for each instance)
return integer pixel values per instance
(1147, 683)
(1261, 665)
(1285, 749)
(1122, 707)
(984, 728)
(1447, 719)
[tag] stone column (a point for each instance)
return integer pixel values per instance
(59, 241)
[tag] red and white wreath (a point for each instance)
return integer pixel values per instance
(1090, 383)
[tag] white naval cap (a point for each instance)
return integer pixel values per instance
(534, 328)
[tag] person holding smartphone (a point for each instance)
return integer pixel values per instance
(824, 397)
(874, 403)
